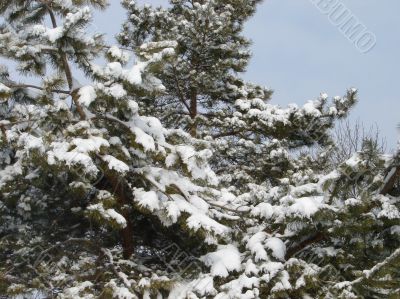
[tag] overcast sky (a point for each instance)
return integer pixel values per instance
(299, 53)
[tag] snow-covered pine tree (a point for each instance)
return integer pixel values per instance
(361, 239)
(292, 219)
(87, 185)
(206, 96)
(82, 170)
(209, 49)
(334, 237)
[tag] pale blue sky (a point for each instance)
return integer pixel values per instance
(298, 53)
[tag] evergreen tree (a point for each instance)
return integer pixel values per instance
(82, 171)
(252, 140)
(101, 181)
(336, 237)
(292, 220)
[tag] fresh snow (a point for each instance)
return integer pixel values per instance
(226, 259)
(73, 292)
(144, 139)
(134, 76)
(118, 218)
(117, 91)
(264, 210)
(310, 109)
(108, 214)
(119, 54)
(120, 292)
(353, 161)
(256, 246)
(198, 221)
(114, 69)
(59, 152)
(92, 144)
(148, 200)
(28, 142)
(54, 34)
(4, 89)
(87, 95)
(115, 164)
(277, 247)
(305, 207)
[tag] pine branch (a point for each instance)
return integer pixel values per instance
(37, 87)
(226, 134)
(368, 274)
(303, 244)
(122, 48)
(389, 260)
(107, 253)
(125, 126)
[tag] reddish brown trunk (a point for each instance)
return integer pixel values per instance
(126, 233)
(390, 182)
(127, 238)
(67, 69)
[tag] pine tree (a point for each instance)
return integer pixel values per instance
(100, 182)
(85, 180)
(206, 96)
(337, 236)
(292, 220)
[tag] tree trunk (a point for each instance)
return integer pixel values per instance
(67, 70)
(390, 180)
(123, 199)
(193, 112)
